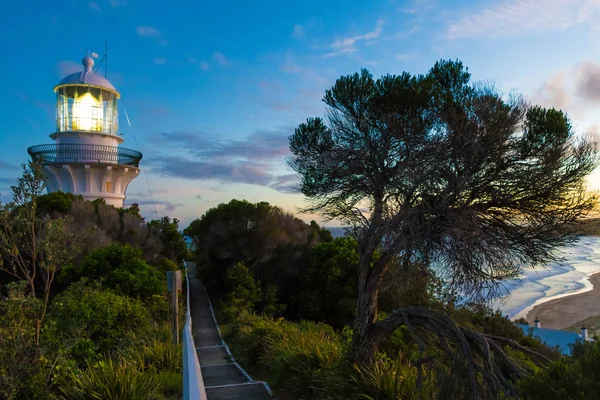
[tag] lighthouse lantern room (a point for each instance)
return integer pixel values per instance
(86, 158)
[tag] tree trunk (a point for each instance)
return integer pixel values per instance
(365, 341)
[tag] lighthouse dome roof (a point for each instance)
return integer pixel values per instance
(87, 77)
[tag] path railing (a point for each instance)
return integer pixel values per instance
(193, 385)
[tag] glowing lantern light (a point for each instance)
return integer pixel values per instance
(86, 111)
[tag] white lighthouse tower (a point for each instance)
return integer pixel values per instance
(86, 158)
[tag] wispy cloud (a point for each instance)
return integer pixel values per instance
(160, 61)
(94, 6)
(517, 17)
(168, 206)
(405, 56)
(202, 156)
(204, 66)
(198, 197)
(148, 32)
(151, 32)
(221, 59)
(7, 166)
(417, 6)
(348, 45)
(117, 3)
(67, 67)
(298, 31)
(8, 181)
(575, 90)
(286, 183)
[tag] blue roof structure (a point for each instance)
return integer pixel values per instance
(553, 337)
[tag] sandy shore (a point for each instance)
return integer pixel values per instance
(566, 311)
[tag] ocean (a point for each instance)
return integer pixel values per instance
(558, 279)
(537, 285)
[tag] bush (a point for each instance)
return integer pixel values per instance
(570, 378)
(106, 380)
(388, 379)
(121, 268)
(291, 357)
(91, 313)
(155, 356)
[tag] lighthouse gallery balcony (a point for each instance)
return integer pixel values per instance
(85, 154)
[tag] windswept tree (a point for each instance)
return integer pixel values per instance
(436, 171)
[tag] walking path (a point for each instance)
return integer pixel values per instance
(223, 377)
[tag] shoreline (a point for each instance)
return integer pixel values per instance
(568, 309)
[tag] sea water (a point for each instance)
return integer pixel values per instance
(559, 279)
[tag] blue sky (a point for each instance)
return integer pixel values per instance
(214, 88)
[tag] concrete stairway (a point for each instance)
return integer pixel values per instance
(223, 377)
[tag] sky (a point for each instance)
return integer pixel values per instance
(213, 89)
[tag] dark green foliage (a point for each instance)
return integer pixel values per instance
(329, 283)
(244, 294)
(173, 244)
(90, 313)
(121, 268)
(109, 380)
(273, 244)
(57, 203)
(572, 378)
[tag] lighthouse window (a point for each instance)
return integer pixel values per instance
(109, 186)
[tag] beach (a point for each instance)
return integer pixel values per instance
(566, 311)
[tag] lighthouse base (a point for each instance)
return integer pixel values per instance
(91, 181)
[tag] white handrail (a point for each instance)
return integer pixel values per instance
(193, 384)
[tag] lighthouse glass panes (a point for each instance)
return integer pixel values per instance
(86, 108)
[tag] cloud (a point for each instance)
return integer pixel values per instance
(198, 197)
(575, 90)
(286, 183)
(588, 81)
(347, 45)
(405, 56)
(250, 160)
(221, 59)
(166, 204)
(298, 31)
(235, 172)
(117, 3)
(9, 181)
(94, 6)
(553, 93)
(404, 34)
(6, 165)
(67, 67)
(518, 17)
(417, 7)
(160, 61)
(151, 32)
(204, 66)
(148, 32)
(261, 145)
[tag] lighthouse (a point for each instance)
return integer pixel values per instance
(85, 158)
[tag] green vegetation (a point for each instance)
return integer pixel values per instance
(448, 188)
(83, 307)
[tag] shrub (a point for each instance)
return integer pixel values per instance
(155, 356)
(107, 380)
(388, 379)
(121, 268)
(89, 312)
(299, 358)
(569, 378)
(292, 357)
